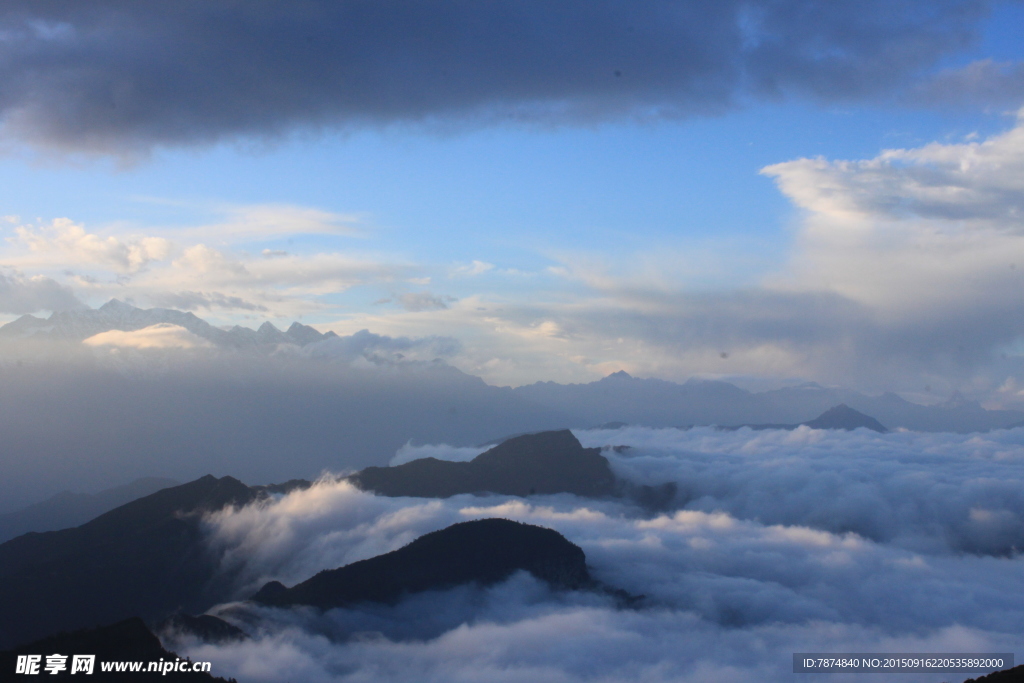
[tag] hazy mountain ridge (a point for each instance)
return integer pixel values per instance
(67, 509)
(841, 416)
(660, 403)
(266, 418)
(340, 403)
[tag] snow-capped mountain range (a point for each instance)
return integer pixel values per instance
(117, 315)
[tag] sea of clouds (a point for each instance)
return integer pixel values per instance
(780, 542)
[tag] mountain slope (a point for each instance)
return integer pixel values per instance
(146, 558)
(658, 403)
(484, 551)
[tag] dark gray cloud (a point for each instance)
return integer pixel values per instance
(985, 83)
(383, 349)
(422, 301)
(20, 295)
(113, 74)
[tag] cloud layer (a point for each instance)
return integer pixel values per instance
(731, 592)
(107, 75)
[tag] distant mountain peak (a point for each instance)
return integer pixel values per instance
(621, 374)
(958, 400)
(843, 416)
(117, 306)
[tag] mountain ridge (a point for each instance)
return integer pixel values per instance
(619, 397)
(66, 509)
(146, 558)
(541, 463)
(484, 551)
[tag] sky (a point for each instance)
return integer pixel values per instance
(761, 189)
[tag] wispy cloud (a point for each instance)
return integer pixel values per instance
(179, 267)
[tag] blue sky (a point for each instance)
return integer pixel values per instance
(559, 246)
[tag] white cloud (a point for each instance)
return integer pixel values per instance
(936, 231)
(165, 267)
(265, 221)
(474, 268)
(66, 241)
(159, 336)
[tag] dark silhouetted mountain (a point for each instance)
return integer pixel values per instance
(547, 462)
(127, 640)
(1014, 675)
(844, 417)
(205, 627)
(841, 416)
(484, 551)
(146, 558)
(68, 509)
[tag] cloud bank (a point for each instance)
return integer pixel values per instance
(929, 493)
(731, 592)
(113, 76)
